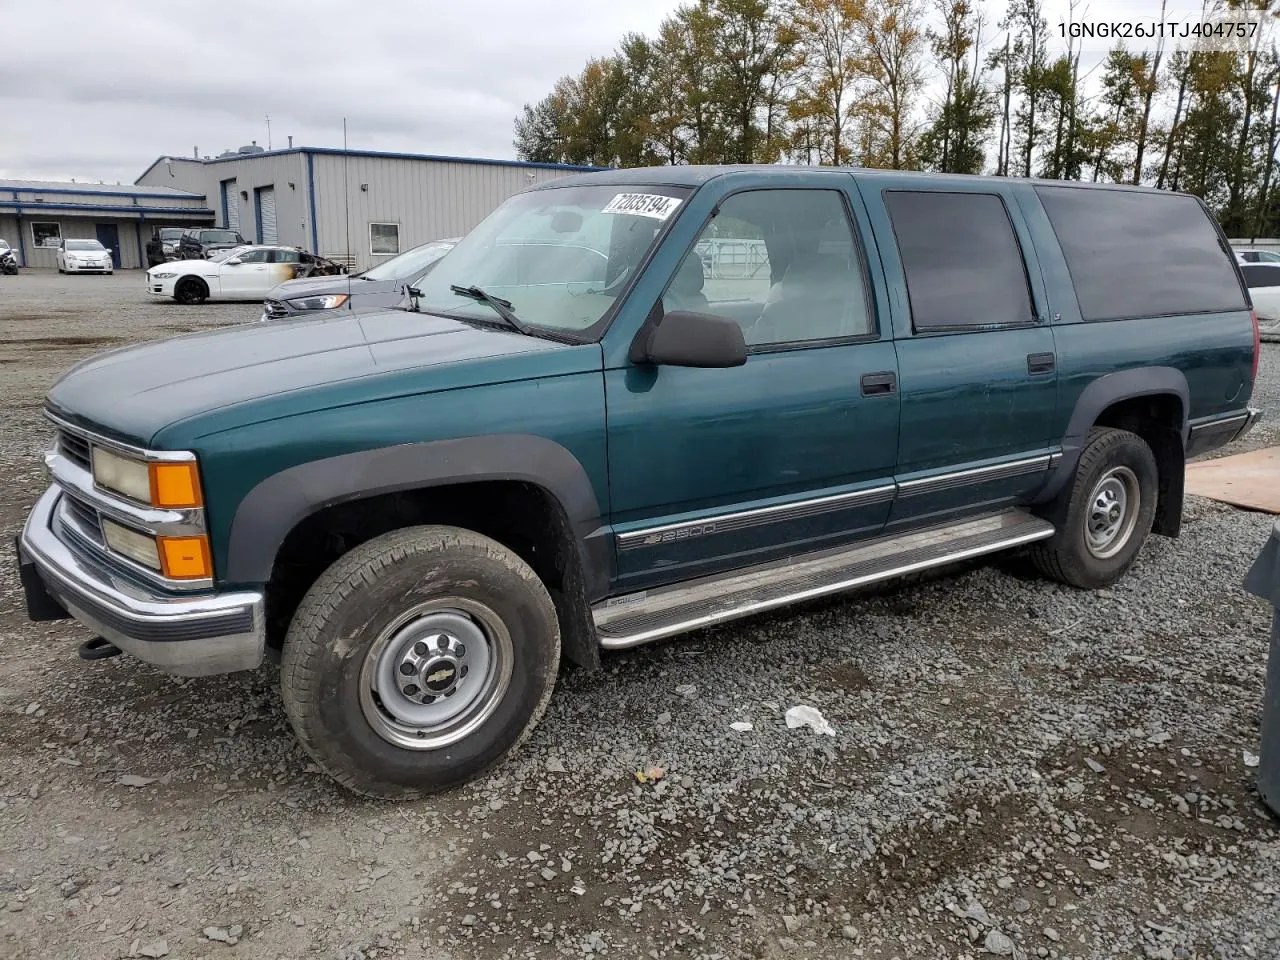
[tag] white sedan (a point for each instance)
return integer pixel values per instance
(83, 256)
(1263, 280)
(241, 273)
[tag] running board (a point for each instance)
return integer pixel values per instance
(638, 618)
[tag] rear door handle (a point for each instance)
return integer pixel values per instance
(1040, 363)
(879, 384)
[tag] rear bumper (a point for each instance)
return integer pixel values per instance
(1251, 421)
(190, 636)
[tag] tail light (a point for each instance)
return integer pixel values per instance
(1257, 345)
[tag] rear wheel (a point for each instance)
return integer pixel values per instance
(419, 660)
(191, 290)
(1107, 513)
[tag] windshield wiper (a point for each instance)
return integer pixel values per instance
(500, 306)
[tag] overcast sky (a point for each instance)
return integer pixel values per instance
(96, 91)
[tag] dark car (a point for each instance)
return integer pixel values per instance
(199, 243)
(380, 286)
(163, 245)
(578, 438)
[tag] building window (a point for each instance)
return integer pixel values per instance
(384, 238)
(46, 234)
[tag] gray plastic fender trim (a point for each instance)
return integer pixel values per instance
(277, 504)
(1102, 393)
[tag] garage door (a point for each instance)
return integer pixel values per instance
(231, 205)
(266, 215)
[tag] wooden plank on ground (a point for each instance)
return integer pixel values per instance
(1250, 480)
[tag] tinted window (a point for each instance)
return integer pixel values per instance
(285, 256)
(1140, 253)
(253, 256)
(782, 263)
(961, 258)
(1261, 275)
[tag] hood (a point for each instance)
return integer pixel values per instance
(134, 392)
(318, 286)
(203, 268)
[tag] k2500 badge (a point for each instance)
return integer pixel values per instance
(683, 533)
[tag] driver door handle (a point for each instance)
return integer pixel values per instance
(879, 384)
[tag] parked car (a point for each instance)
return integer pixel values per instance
(1251, 255)
(598, 443)
(1263, 280)
(238, 273)
(202, 243)
(163, 245)
(83, 256)
(8, 259)
(380, 286)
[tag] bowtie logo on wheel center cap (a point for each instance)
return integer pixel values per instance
(440, 675)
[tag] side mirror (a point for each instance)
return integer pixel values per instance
(686, 339)
(234, 262)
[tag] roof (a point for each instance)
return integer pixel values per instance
(126, 191)
(694, 175)
(374, 154)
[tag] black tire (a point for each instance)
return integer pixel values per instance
(1079, 553)
(191, 290)
(329, 667)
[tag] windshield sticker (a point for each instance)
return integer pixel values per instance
(643, 205)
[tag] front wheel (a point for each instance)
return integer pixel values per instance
(191, 290)
(1108, 512)
(419, 660)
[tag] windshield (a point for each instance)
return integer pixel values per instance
(170, 233)
(84, 245)
(410, 263)
(219, 236)
(559, 256)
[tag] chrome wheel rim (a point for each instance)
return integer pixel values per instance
(436, 673)
(1113, 512)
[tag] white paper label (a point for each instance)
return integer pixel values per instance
(643, 205)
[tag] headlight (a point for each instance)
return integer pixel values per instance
(130, 543)
(167, 247)
(169, 484)
(167, 275)
(320, 303)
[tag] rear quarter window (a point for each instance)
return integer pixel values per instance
(1138, 253)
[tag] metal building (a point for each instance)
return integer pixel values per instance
(35, 215)
(354, 206)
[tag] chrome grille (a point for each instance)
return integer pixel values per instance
(84, 517)
(74, 448)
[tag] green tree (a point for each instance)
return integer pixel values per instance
(827, 46)
(893, 46)
(1026, 66)
(953, 142)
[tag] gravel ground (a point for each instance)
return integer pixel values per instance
(1017, 769)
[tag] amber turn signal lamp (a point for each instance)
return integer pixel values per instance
(175, 485)
(185, 558)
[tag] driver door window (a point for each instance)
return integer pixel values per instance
(783, 264)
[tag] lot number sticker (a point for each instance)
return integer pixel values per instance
(643, 205)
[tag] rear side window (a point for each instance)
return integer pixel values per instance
(1141, 254)
(1261, 275)
(961, 258)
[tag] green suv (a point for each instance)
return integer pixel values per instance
(628, 405)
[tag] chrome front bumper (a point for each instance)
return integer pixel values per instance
(190, 636)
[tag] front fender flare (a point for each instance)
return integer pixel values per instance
(280, 502)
